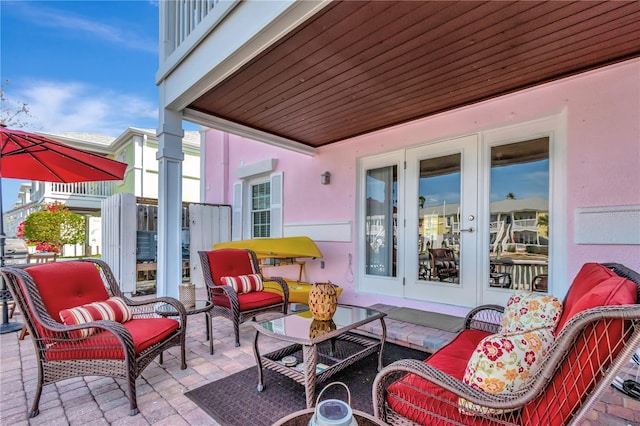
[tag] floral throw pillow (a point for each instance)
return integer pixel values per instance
(244, 283)
(530, 311)
(114, 309)
(502, 363)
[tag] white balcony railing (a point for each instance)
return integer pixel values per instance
(525, 224)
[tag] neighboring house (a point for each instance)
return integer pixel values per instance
(445, 103)
(137, 148)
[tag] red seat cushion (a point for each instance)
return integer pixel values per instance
(589, 276)
(588, 357)
(451, 359)
(146, 332)
(64, 285)
(250, 301)
(229, 263)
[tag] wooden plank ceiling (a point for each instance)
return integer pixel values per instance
(357, 67)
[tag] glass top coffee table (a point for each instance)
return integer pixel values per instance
(319, 349)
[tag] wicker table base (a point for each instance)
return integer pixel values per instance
(318, 357)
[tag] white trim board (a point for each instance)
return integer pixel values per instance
(607, 225)
(321, 231)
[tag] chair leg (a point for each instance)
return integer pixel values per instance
(23, 333)
(209, 320)
(36, 398)
(236, 330)
(133, 402)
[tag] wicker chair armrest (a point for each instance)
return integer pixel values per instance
(397, 369)
(149, 308)
(283, 284)
(225, 290)
(485, 317)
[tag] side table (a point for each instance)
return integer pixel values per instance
(302, 417)
(201, 306)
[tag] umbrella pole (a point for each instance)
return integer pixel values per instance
(6, 326)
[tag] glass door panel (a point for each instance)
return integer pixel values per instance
(441, 205)
(519, 216)
(381, 221)
(439, 219)
(380, 237)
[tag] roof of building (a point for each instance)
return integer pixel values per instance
(106, 144)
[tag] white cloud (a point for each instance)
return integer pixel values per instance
(124, 35)
(79, 107)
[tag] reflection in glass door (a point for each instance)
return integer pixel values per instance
(441, 238)
(519, 216)
(439, 219)
(381, 221)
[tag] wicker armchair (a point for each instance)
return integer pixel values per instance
(236, 306)
(79, 345)
(589, 350)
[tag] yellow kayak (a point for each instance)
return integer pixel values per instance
(298, 290)
(282, 248)
(277, 248)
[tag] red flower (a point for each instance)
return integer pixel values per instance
(492, 350)
(530, 357)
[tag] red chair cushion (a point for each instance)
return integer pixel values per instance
(251, 301)
(589, 276)
(451, 359)
(589, 357)
(229, 263)
(64, 285)
(114, 309)
(146, 332)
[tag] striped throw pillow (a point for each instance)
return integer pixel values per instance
(114, 309)
(244, 283)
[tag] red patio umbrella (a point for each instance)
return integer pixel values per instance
(30, 156)
(25, 155)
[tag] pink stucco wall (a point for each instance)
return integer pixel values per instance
(603, 162)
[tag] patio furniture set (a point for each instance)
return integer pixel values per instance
(559, 355)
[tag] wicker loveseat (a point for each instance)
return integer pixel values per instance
(597, 332)
(82, 325)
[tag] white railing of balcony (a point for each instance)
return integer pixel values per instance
(525, 223)
(524, 272)
(188, 15)
(89, 189)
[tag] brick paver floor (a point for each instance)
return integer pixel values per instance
(102, 401)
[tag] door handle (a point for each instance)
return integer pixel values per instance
(467, 230)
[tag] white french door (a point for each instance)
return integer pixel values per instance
(442, 212)
(465, 221)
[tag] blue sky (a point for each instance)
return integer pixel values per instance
(80, 66)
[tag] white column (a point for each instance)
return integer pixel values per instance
(170, 157)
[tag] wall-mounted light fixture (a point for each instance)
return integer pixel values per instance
(325, 178)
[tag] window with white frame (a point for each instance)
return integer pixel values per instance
(257, 207)
(261, 210)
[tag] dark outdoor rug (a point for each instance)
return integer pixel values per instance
(428, 319)
(235, 401)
